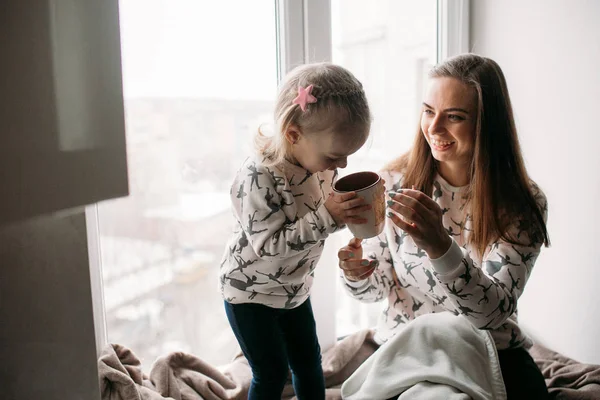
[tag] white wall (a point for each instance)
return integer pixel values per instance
(550, 52)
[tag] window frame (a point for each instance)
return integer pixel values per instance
(303, 36)
(453, 28)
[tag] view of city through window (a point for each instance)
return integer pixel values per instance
(199, 78)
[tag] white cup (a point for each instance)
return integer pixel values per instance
(366, 185)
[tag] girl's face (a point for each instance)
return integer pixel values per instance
(448, 122)
(325, 150)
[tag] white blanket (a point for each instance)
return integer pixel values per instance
(437, 356)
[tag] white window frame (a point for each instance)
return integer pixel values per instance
(453, 28)
(97, 284)
(304, 31)
(303, 36)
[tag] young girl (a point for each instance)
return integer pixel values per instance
(285, 209)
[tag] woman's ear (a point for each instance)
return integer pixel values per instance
(292, 134)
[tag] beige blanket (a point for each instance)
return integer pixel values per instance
(566, 378)
(181, 376)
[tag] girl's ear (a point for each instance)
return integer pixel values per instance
(292, 134)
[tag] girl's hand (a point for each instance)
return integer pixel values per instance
(421, 219)
(346, 207)
(355, 268)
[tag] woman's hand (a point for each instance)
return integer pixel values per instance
(421, 219)
(355, 267)
(346, 208)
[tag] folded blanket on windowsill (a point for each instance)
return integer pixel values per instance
(183, 376)
(566, 378)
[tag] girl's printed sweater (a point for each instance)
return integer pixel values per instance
(280, 229)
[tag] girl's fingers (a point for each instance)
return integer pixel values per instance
(354, 202)
(343, 197)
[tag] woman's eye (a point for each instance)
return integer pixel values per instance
(453, 117)
(427, 111)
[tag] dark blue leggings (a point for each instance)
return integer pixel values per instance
(274, 339)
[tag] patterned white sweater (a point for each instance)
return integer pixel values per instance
(484, 290)
(281, 226)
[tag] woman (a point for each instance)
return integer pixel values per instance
(465, 223)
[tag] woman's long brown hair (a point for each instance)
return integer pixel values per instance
(499, 189)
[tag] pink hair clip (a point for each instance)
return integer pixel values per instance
(304, 97)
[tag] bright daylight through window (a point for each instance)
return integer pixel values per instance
(199, 78)
(190, 108)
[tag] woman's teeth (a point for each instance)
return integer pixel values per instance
(440, 143)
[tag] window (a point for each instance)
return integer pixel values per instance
(389, 45)
(199, 77)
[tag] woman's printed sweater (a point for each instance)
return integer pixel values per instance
(483, 289)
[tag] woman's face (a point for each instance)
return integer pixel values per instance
(448, 121)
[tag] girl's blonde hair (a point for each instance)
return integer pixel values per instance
(341, 107)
